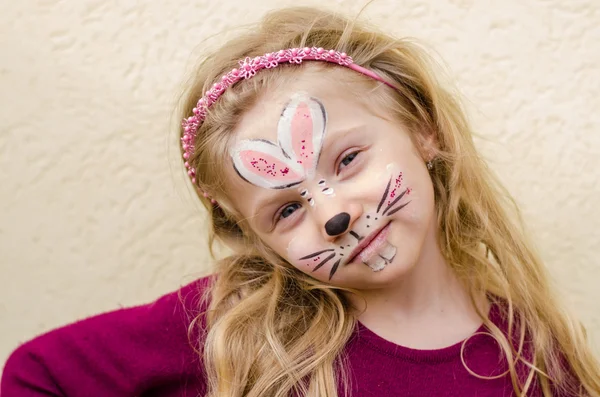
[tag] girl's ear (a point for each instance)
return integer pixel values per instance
(427, 144)
(301, 130)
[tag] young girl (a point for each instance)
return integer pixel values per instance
(375, 254)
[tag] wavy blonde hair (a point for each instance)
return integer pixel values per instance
(271, 330)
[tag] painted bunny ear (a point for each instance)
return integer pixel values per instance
(264, 164)
(301, 130)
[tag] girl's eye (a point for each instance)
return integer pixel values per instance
(347, 160)
(289, 210)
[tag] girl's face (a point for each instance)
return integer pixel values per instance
(336, 189)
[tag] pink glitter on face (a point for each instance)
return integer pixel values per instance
(397, 183)
(267, 165)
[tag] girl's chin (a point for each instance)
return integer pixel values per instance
(363, 276)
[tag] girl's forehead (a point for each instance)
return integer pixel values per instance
(279, 142)
(340, 104)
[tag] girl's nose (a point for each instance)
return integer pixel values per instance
(338, 224)
(338, 219)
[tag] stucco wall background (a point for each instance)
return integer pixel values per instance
(95, 213)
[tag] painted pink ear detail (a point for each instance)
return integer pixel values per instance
(302, 144)
(264, 164)
(300, 131)
(300, 134)
(269, 168)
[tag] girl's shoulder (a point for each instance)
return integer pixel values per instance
(119, 353)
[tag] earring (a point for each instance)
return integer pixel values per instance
(430, 162)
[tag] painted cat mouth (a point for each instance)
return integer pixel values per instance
(364, 243)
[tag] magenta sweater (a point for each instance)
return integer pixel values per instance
(144, 351)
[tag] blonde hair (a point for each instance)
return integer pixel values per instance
(273, 330)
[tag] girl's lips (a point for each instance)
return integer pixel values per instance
(370, 244)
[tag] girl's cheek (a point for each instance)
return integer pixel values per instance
(301, 249)
(372, 181)
(295, 251)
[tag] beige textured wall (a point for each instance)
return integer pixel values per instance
(95, 215)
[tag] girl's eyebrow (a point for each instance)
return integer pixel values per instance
(259, 207)
(265, 202)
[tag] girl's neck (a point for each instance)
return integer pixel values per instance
(428, 308)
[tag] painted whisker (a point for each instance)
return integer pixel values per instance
(392, 212)
(387, 189)
(316, 254)
(395, 201)
(324, 261)
(334, 268)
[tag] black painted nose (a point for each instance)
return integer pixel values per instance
(338, 224)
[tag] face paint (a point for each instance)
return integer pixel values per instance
(366, 241)
(305, 194)
(293, 159)
(324, 188)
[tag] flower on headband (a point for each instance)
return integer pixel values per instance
(271, 60)
(320, 53)
(247, 68)
(296, 55)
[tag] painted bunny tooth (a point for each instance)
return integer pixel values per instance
(376, 263)
(388, 252)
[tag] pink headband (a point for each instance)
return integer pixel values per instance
(248, 68)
